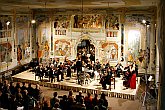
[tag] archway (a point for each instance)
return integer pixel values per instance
(86, 50)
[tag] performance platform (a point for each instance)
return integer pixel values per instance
(71, 84)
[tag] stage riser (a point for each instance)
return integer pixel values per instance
(77, 89)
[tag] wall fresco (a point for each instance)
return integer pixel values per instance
(62, 48)
(5, 52)
(109, 51)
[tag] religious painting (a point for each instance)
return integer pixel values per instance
(23, 36)
(112, 22)
(62, 21)
(5, 52)
(110, 51)
(44, 35)
(46, 50)
(19, 53)
(62, 48)
(26, 50)
(88, 21)
(133, 44)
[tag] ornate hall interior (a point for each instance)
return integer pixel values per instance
(117, 33)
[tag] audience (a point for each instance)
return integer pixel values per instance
(13, 97)
(54, 100)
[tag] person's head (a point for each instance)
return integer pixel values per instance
(96, 95)
(23, 83)
(102, 96)
(64, 97)
(25, 92)
(88, 94)
(70, 93)
(56, 105)
(80, 92)
(29, 85)
(11, 83)
(37, 86)
(55, 94)
(18, 84)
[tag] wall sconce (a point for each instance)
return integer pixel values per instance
(33, 21)
(7, 23)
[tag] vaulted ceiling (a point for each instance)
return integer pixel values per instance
(22, 5)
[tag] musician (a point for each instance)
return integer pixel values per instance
(97, 64)
(106, 78)
(133, 76)
(90, 69)
(68, 71)
(79, 68)
(119, 69)
(107, 65)
(37, 72)
(103, 81)
(51, 75)
(60, 72)
(42, 72)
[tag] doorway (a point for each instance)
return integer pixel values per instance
(86, 50)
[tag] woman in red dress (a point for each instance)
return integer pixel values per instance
(133, 77)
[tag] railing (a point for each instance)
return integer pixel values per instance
(60, 31)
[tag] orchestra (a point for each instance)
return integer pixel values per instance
(86, 71)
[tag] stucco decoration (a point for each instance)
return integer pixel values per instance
(62, 48)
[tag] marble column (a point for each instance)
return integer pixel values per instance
(161, 46)
(152, 47)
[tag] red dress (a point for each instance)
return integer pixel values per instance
(133, 81)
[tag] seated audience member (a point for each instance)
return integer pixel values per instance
(23, 87)
(79, 96)
(46, 106)
(18, 86)
(13, 104)
(30, 90)
(37, 93)
(88, 101)
(79, 106)
(12, 88)
(56, 106)
(64, 103)
(71, 99)
(37, 107)
(103, 101)
(95, 100)
(101, 105)
(19, 97)
(54, 100)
